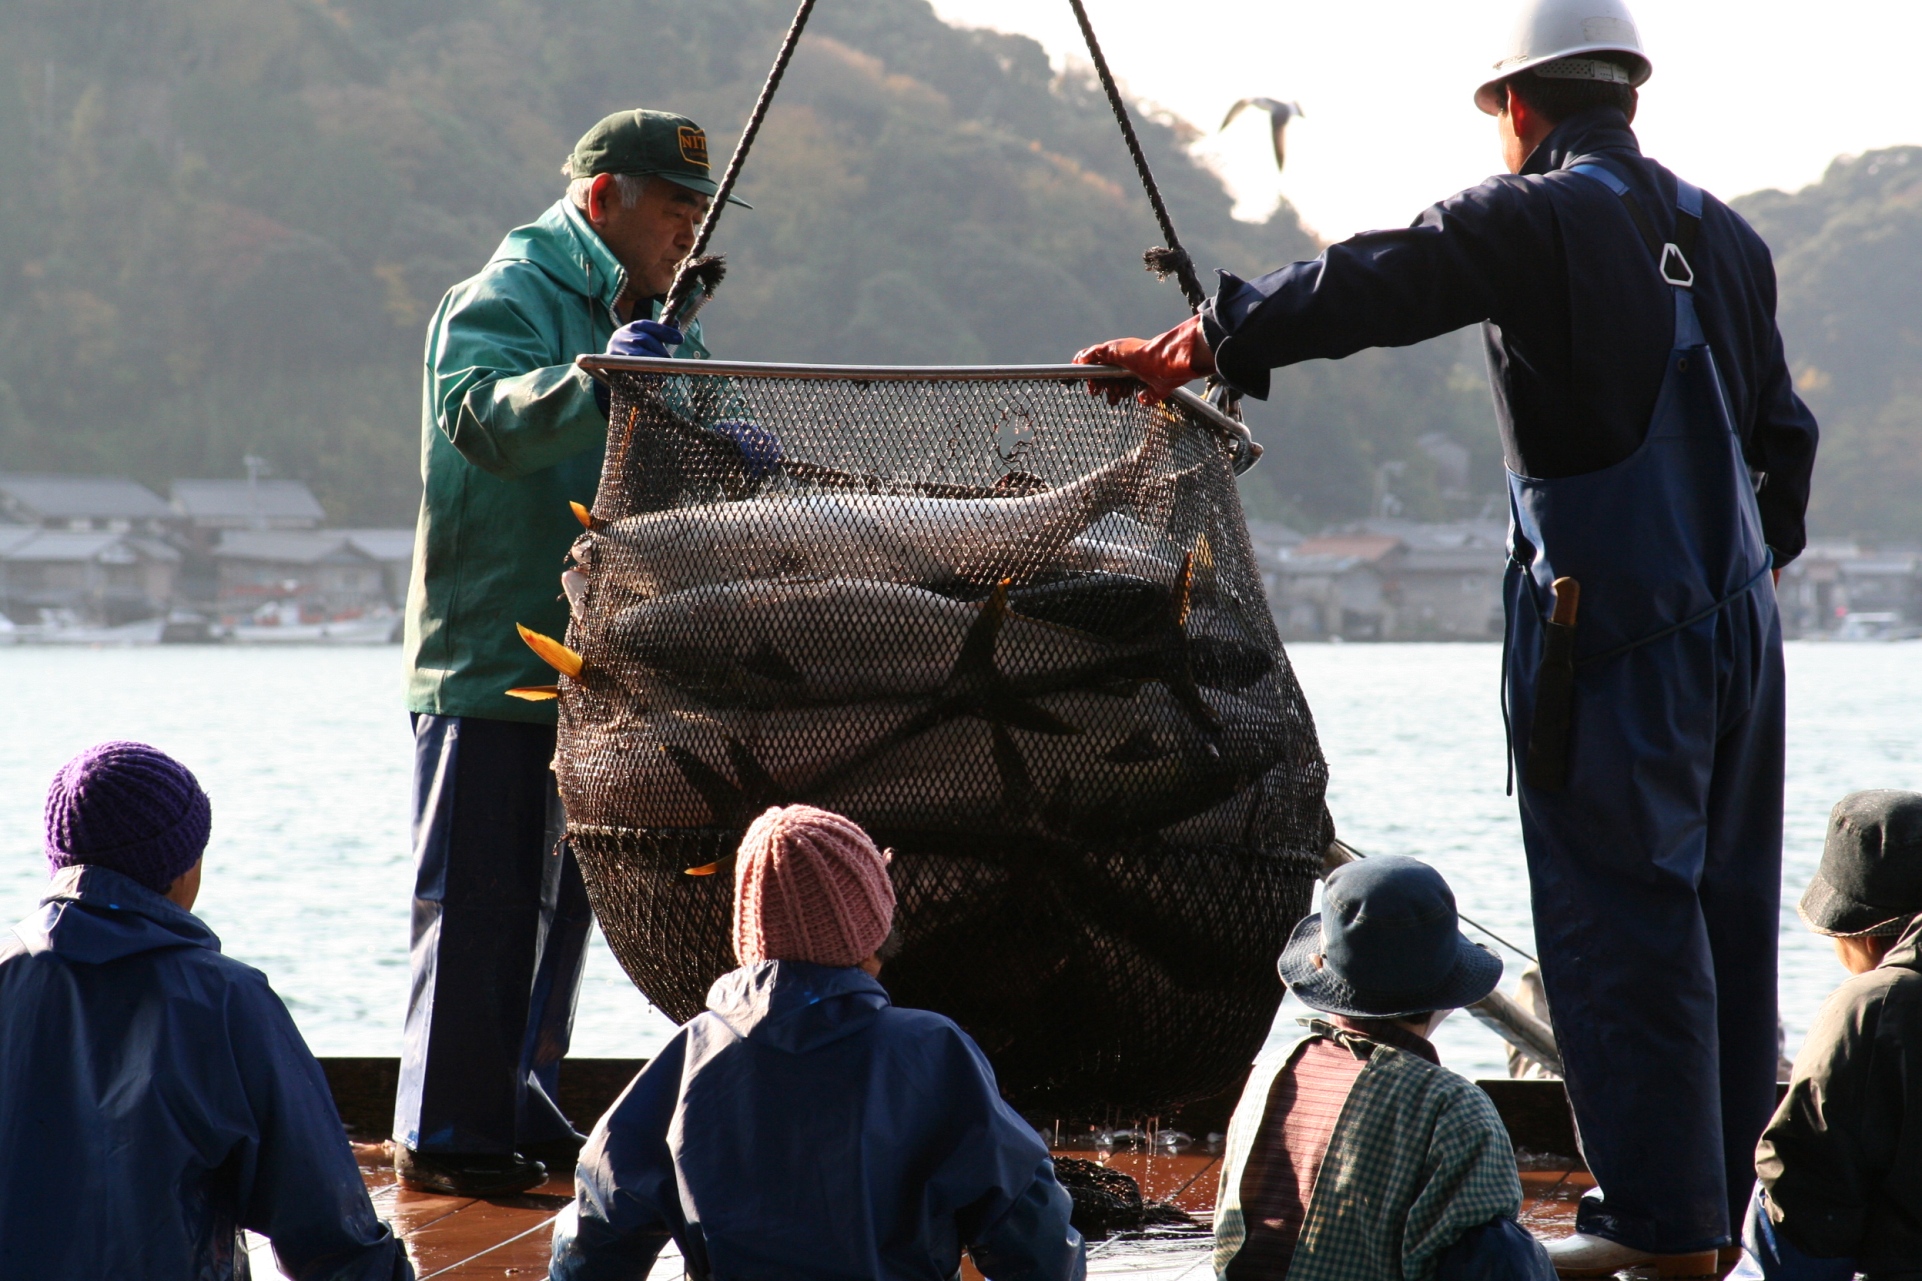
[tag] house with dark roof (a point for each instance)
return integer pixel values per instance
(325, 573)
(206, 507)
(1853, 590)
(394, 549)
(110, 504)
(95, 577)
(1390, 580)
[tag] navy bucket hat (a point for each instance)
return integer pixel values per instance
(1386, 945)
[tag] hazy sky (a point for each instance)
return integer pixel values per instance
(1746, 93)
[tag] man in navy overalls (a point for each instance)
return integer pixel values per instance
(1658, 455)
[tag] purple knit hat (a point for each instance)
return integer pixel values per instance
(129, 807)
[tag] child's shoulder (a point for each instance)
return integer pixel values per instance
(1887, 997)
(930, 1037)
(1436, 1088)
(908, 1023)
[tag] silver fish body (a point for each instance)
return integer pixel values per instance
(921, 540)
(786, 644)
(683, 768)
(1137, 763)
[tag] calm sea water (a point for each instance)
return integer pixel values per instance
(305, 754)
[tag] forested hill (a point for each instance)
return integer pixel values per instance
(1848, 260)
(224, 223)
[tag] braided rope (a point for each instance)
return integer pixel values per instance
(1173, 260)
(683, 286)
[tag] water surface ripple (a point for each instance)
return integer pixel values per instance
(305, 754)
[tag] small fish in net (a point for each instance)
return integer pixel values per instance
(1015, 632)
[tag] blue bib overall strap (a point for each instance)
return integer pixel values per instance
(1655, 868)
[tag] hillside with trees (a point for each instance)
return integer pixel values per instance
(224, 224)
(1848, 261)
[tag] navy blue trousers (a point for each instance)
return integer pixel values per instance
(1656, 881)
(1767, 1255)
(499, 938)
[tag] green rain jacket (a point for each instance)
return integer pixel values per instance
(510, 434)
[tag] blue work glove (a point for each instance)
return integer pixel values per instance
(641, 338)
(644, 338)
(760, 448)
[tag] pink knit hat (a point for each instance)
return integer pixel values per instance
(810, 886)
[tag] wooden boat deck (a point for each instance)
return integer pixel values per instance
(459, 1238)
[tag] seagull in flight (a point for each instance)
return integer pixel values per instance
(1279, 114)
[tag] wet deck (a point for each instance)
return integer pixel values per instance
(458, 1237)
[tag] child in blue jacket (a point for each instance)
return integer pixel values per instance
(155, 1096)
(806, 1128)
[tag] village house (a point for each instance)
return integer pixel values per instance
(1851, 590)
(84, 549)
(91, 577)
(206, 508)
(111, 504)
(1388, 580)
(394, 549)
(316, 573)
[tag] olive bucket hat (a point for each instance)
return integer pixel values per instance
(1386, 945)
(648, 144)
(1870, 881)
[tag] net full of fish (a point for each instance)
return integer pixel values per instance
(1048, 682)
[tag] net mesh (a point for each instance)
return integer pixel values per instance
(1015, 632)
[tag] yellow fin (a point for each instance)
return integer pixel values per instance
(552, 652)
(1204, 555)
(535, 693)
(583, 515)
(705, 869)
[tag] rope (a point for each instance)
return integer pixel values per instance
(677, 296)
(1173, 260)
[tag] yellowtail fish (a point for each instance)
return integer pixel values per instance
(929, 541)
(774, 644)
(1134, 765)
(693, 769)
(535, 693)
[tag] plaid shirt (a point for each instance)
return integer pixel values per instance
(1419, 1157)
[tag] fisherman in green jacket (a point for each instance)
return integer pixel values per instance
(511, 432)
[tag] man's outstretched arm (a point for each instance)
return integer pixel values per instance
(1377, 289)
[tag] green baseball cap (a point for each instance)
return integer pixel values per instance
(653, 144)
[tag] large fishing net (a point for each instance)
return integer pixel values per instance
(1014, 631)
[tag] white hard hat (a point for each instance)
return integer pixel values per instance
(1555, 38)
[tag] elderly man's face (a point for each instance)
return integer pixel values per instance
(651, 236)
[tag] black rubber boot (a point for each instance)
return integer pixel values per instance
(560, 1156)
(466, 1174)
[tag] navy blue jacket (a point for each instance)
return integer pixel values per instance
(155, 1098)
(1577, 321)
(806, 1128)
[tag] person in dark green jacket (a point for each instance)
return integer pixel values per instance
(511, 432)
(1840, 1165)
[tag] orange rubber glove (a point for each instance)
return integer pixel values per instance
(1162, 363)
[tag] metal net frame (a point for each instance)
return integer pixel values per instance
(1014, 630)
